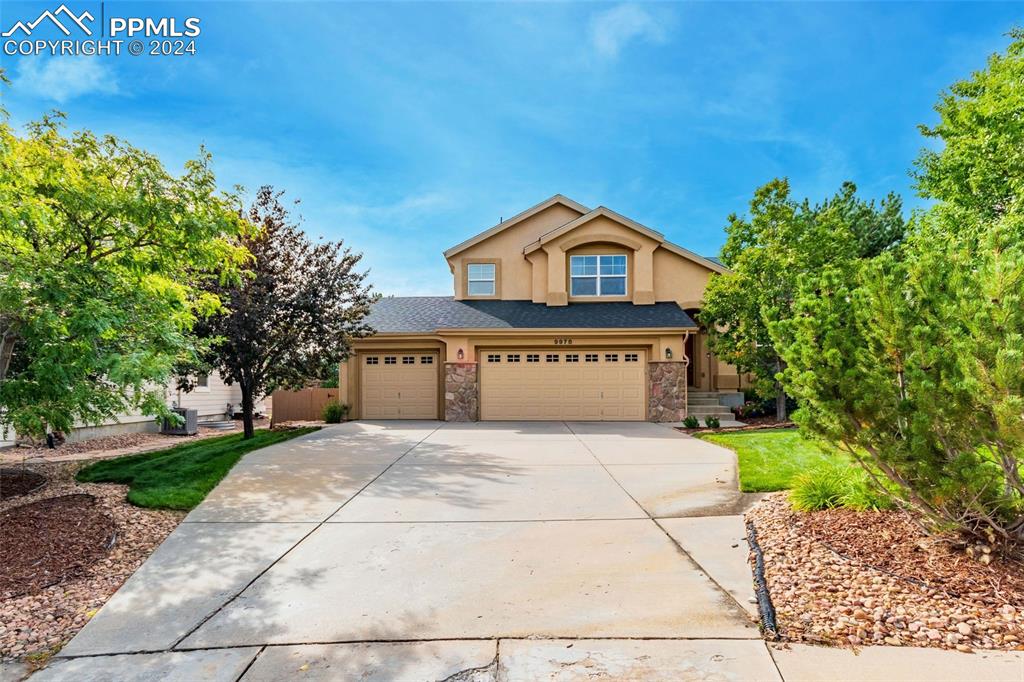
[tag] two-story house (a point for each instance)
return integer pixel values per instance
(561, 312)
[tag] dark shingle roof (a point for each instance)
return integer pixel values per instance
(715, 259)
(430, 313)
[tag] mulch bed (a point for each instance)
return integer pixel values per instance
(15, 482)
(755, 424)
(46, 542)
(860, 578)
(892, 542)
(37, 619)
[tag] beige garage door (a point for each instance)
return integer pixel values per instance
(584, 385)
(399, 386)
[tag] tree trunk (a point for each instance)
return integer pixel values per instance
(7, 340)
(780, 404)
(780, 393)
(247, 408)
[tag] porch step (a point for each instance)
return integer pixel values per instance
(219, 425)
(713, 410)
(702, 401)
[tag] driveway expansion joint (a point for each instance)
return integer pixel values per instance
(174, 647)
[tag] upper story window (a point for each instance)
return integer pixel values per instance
(597, 275)
(480, 279)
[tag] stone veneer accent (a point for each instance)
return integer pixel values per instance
(461, 392)
(666, 391)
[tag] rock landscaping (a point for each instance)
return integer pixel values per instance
(57, 565)
(108, 446)
(851, 578)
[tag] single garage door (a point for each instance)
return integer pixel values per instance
(557, 384)
(399, 386)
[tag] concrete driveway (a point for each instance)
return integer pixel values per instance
(424, 550)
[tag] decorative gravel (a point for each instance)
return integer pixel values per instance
(113, 446)
(38, 623)
(861, 578)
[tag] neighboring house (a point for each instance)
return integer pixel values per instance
(210, 398)
(561, 312)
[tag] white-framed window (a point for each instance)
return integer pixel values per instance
(597, 275)
(372, 360)
(480, 279)
(202, 383)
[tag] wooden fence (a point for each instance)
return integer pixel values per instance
(304, 405)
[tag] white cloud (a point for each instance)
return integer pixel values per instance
(65, 78)
(613, 29)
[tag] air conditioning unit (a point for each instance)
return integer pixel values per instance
(189, 427)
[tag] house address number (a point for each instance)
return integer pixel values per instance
(563, 342)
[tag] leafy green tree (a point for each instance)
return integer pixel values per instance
(293, 317)
(914, 362)
(980, 166)
(768, 252)
(99, 246)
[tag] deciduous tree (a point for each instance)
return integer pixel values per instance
(99, 250)
(294, 314)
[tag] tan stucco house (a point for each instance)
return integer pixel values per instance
(561, 312)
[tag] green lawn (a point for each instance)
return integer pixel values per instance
(180, 477)
(770, 459)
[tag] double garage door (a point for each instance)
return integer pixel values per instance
(525, 384)
(574, 385)
(399, 386)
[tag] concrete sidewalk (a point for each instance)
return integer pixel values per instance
(489, 551)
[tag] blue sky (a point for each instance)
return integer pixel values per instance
(405, 128)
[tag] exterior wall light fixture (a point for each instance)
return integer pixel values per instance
(462, 354)
(668, 353)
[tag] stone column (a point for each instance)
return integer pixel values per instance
(666, 390)
(461, 392)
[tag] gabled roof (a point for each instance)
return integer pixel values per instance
(709, 263)
(518, 218)
(428, 314)
(586, 218)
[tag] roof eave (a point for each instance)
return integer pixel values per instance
(586, 218)
(518, 218)
(696, 258)
(632, 331)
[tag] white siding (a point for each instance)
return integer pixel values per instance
(211, 403)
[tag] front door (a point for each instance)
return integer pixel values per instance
(691, 365)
